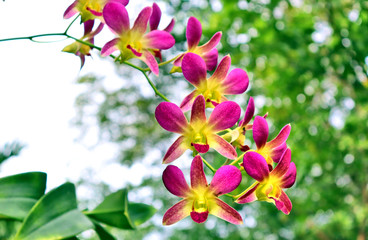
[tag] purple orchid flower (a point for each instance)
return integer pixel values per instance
(207, 51)
(89, 9)
(134, 42)
(274, 149)
(201, 199)
(269, 185)
(215, 87)
(80, 49)
(199, 134)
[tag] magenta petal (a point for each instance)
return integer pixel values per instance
(135, 52)
(281, 137)
(170, 27)
(170, 117)
(221, 146)
(255, 165)
(249, 112)
(97, 14)
(236, 82)
(124, 2)
(116, 17)
(174, 181)
(150, 60)
(197, 176)
(283, 203)
(249, 196)
(260, 131)
(159, 40)
(110, 47)
(226, 179)
(198, 110)
(210, 59)
(224, 116)
(194, 69)
(221, 71)
(155, 16)
(175, 150)
(179, 60)
(177, 212)
(71, 10)
(222, 210)
(289, 178)
(283, 166)
(140, 24)
(187, 103)
(193, 32)
(212, 43)
(199, 217)
(276, 153)
(201, 148)
(88, 26)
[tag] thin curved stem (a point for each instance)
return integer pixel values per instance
(67, 29)
(162, 63)
(238, 159)
(246, 190)
(209, 166)
(33, 36)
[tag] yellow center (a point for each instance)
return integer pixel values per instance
(269, 188)
(266, 153)
(84, 5)
(132, 39)
(200, 199)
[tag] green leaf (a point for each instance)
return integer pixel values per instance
(102, 233)
(55, 216)
(140, 212)
(113, 211)
(18, 194)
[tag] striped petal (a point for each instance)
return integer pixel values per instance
(158, 40)
(222, 210)
(155, 18)
(174, 181)
(283, 203)
(198, 110)
(249, 196)
(177, 212)
(260, 131)
(170, 117)
(71, 10)
(226, 179)
(255, 165)
(236, 82)
(175, 150)
(116, 17)
(140, 24)
(283, 166)
(277, 152)
(212, 43)
(187, 102)
(193, 32)
(210, 58)
(224, 116)
(221, 146)
(281, 137)
(194, 69)
(289, 178)
(201, 148)
(221, 71)
(249, 113)
(170, 27)
(150, 60)
(197, 177)
(110, 47)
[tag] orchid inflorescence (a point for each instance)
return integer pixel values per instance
(269, 164)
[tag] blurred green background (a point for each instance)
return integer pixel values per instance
(308, 62)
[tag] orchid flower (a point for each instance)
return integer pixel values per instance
(215, 87)
(237, 136)
(155, 21)
(199, 134)
(269, 185)
(272, 150)
(134, 42)
(81, 49)
(207, 51)
(201, 199)
(89, 9)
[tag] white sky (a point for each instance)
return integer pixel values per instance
(37, 94)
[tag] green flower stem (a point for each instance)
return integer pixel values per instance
(67, 29)
(209, 165)
(238, 159)
(246, 190)
(32, 37)
(163, 63)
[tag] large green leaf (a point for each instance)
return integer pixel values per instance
(102, 233)
(140, 212)
(18, 193)
(55, 216)
(113, 211)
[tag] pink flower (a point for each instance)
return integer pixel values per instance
(269, 185)
(215, 87)
(272, 150)
(134, 42)
(89, 9)
(207, 51)
(201, 199)
(199, 134)
(81, 49)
